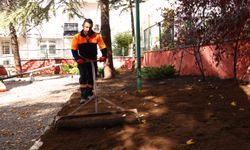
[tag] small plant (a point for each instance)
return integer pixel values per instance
(100, 72)
(168, 70)
(158, 72)
(74, 70)
(70, 69)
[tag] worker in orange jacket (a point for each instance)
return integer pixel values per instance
(84, 47)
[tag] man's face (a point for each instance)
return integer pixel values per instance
(86, 27)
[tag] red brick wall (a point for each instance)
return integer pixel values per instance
(221, 67)
(28, 65)
(125, 62)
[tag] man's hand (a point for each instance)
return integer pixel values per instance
(80, 61)
(102, 59)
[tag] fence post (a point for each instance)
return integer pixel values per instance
(159, 23)
(138, 46)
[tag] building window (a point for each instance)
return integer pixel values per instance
(48, 47)
(6, 62)
(52, 47)
(6, 48)
(43, 47)
(70, 29)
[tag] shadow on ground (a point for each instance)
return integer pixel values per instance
(179, 114)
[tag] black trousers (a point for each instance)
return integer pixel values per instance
(86, 79)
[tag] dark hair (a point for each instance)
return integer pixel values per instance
(88, 21)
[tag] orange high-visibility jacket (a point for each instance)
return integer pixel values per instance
(86, 45)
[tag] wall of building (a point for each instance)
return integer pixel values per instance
(222, 67)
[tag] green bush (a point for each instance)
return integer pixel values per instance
(168, 70)
(74, 70)
(70, 69)
(158, 72)
(100, 72)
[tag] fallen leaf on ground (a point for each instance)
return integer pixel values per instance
(241, 109)
(190, 141)
(233, 103)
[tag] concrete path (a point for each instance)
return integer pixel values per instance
(26, 109)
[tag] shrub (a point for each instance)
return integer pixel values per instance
(70, 69)
(158, 72)
(100, 72)
(168, 70)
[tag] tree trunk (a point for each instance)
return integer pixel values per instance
(15, 48)
(133, 34)
(235, 58)
(105, 30)
(198, 59)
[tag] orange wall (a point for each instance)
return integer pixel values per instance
(212, 67)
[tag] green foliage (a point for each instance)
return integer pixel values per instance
(158, 72)
(168, 28)
(70, 69)
(100, 72)
(123, 39)
(121, 43)
(28, 14)
(122, 4)
(74, 70)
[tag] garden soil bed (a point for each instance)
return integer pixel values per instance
(180, 113)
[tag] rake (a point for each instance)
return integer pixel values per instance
(97, 118)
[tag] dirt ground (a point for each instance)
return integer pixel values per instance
(180, 113)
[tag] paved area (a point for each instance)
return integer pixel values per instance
(26, 109)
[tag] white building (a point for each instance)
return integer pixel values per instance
(52, 39)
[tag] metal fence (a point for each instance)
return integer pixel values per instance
(157, 36)
(164, 35)
(8, 59)
(152, 37)
(46, 54)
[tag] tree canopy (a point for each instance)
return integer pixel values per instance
(26, 14)
(209, 20)
(121, 43)
(202, 22)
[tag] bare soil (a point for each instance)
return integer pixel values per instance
(180, 113)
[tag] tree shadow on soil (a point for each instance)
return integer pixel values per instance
(179, 114)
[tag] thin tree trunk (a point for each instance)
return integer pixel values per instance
(235, 59)
(105, 30)
(15, 48)
(198, 59)
(133, 35)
